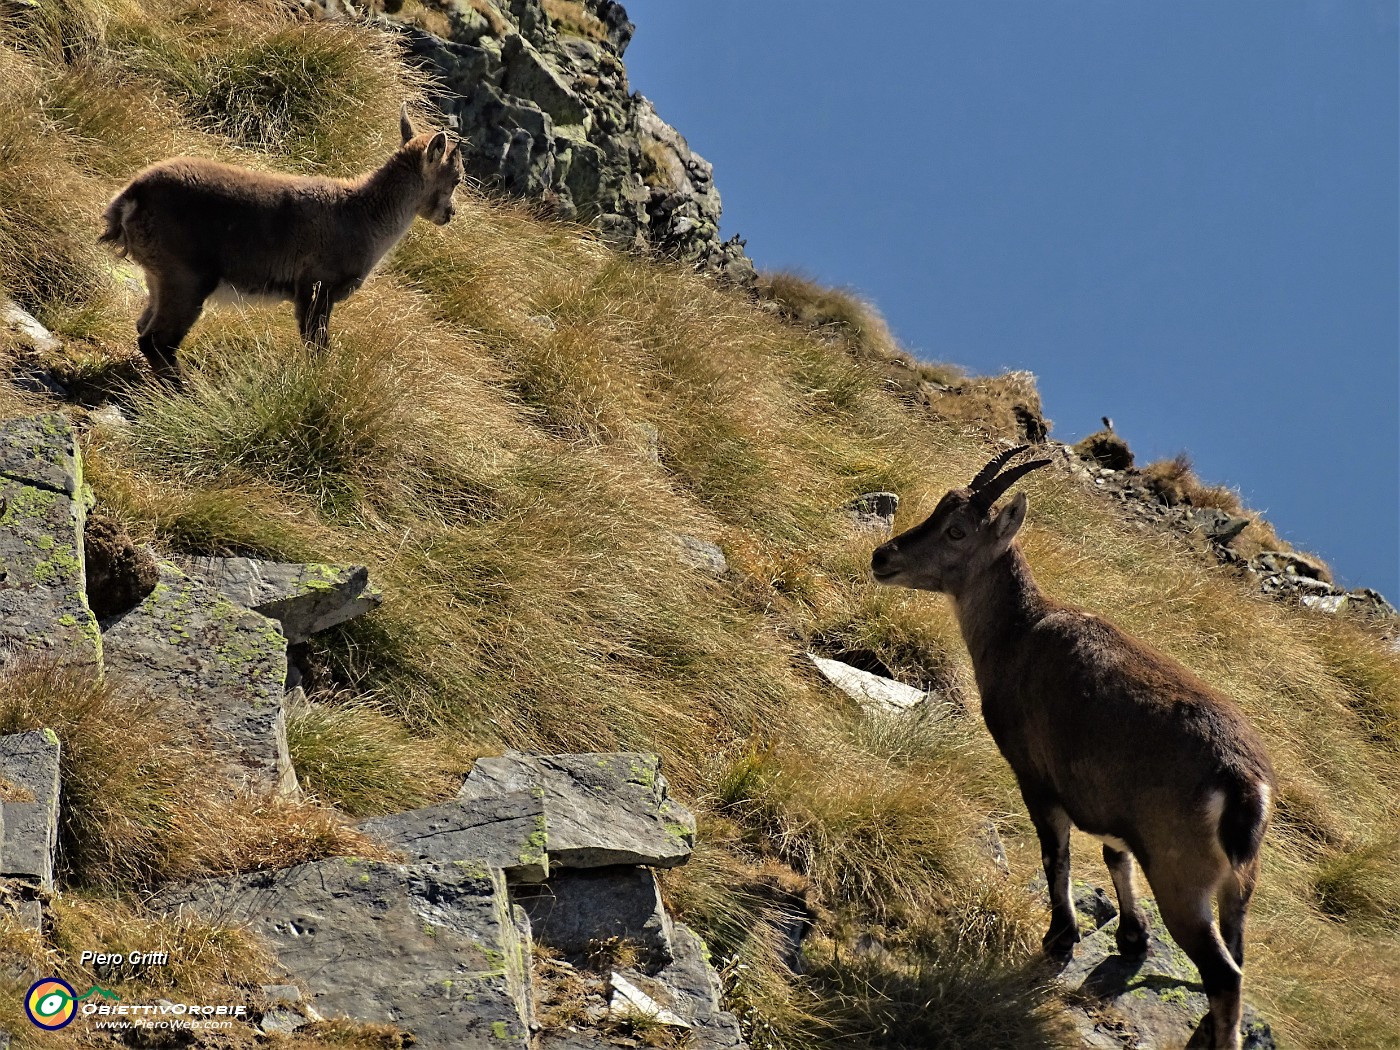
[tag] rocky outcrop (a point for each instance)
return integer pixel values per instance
(1286, 575)
(440, 947)
(29, 801)
(873, 511)
(29, 786)
(545, 112)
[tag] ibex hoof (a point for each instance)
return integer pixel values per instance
(1059, 944)
(1132, 941)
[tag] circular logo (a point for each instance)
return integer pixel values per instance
(51, 1003)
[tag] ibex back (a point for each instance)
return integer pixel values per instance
(198, 227)
(1105, 734)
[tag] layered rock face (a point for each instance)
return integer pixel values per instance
(545, 112)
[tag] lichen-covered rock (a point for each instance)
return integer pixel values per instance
(43, 505)
(579, 909)
(29, 785)
(508, 831)
(545, 111)
(1154, 1001)
(224, 665)
(601, 809)
(304, 599)
(436, 950)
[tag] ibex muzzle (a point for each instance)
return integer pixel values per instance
(198, 227)
(1104, 734)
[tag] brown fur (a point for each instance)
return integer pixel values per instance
(198, 227)
(1106, 734)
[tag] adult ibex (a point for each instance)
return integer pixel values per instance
(198, 227)
(1105, 734)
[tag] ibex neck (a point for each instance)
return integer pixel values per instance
(999, 604)
(390, 193)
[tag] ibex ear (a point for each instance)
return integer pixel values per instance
(1007, 523)
(405, 125)
(437, 146)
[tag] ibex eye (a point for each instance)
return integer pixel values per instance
(955, 533)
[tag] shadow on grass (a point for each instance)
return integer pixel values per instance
(953, 1004)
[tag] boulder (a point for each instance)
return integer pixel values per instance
(225, 665)
(43, 505)
(870, 691)
(435, 950)
(601, 810)
(29, 789)
(304, 599)
(505, 831)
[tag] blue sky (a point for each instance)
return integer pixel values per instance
(1182, 215)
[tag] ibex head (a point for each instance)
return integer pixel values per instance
(441, 170)
(962, 536)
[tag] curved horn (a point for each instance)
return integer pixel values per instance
(990, 470)
(988, 494)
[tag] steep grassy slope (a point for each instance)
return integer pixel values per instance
(511, 428)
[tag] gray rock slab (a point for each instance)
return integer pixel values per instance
(576, 910)
(435, 950)
(304, 599)
(1155, 1001)
(505, 831)
(870, 691)
(223, 665)
(43, 604)
(29, 788)
(601, 810)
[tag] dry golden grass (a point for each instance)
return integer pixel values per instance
(511, 428)
(571, 16)
(141, 804)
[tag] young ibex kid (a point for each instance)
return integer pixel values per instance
(198, 227)
(1105, 734)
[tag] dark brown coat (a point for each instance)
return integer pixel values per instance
(1105, 734)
